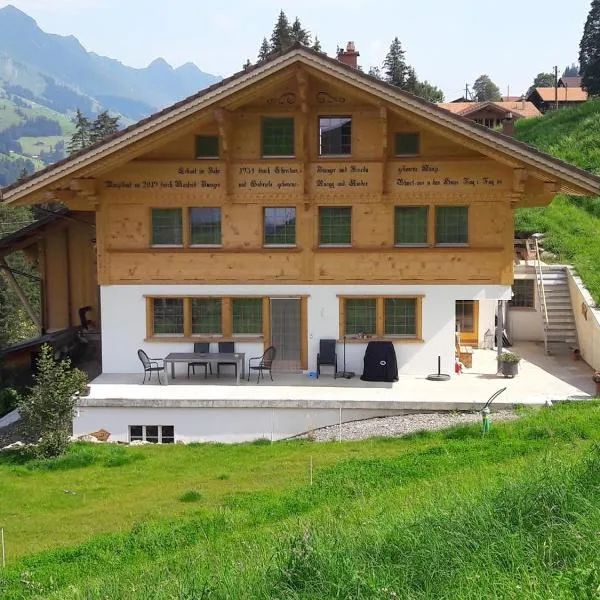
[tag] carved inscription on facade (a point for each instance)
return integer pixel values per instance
(426, 176)
(272, 178)
(346, 178)
(199, 177)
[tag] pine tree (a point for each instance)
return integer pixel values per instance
(247, 64)
(103, 126)
(264, 50)
(485, 90)
(281, 38)
(395, 69)
(298, 34)
(571, 71)
(317, 45)
(589, 51)
(81, 138)
(411, 80)
(375, 72)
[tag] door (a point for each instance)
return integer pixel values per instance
(467, 321)
(286, 332)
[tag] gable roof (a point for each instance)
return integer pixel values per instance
(520, 108)
(89, 161)
(564, 94)
(572, 82)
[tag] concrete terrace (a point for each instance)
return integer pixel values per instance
(541, 378)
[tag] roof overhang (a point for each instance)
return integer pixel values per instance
(569, 179)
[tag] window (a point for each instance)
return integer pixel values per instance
(278, 136)
(156, 434)
(523, 293)
(361, 316)
(335, 136)
(206, 316)
(247, 316)
(205, 226)
(166, 227)
(408, 144)
(168, 316)
(451, 225)
(465, 316)
(381, 317)
(280, 226)
(207, 146)
(400, 316)
(411, 225)
(335, 226)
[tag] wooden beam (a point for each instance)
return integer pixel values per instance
(383, 120)
(14, 284)
(84, 186)
(223, 119)
(303, 154)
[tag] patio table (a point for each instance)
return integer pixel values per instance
(188, 357)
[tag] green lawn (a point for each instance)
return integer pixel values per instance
(451, 514)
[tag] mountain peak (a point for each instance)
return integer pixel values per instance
(160, 64)
(14, 15)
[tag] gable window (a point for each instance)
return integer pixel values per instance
(335, 136)
(167, 227)
(400, 317)
(247, 316)
(156, 434)
(207, 146)
(361, 316)
(206, 316)
(452, 225)
(335, 226)
(523, 293)
(280, 226)
(408, 144)
(205, 226)
(411, 225)
(167, 316)
(278, 136)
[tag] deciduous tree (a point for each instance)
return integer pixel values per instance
(485, 89)
(589, 50)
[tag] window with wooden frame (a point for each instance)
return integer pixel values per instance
(278, 137)
(335, 226)
(411, 225)
(205, 226)
(465, 316)
(167, 316)
(381, 317)
(207, 146)
(167, 227)
(247, 316)
(279, 226)
(408, 144)
(523, 293)
(452, 225)
(207, 316)
(335, 136)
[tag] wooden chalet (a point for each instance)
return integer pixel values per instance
(492, 114)
(545, 99)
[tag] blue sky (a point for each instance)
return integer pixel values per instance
(448, 42)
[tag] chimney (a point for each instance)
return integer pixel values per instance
(508, 125)
(349, 56)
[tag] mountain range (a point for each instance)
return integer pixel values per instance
(59, 73)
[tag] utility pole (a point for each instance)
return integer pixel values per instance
(555, 86)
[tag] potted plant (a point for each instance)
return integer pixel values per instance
(596, 378)
(509, 363)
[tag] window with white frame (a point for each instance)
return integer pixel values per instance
(156, 434)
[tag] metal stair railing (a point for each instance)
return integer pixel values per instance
(539, 284)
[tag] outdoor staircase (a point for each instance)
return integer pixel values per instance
(559, 321)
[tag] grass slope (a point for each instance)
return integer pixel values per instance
(440, 515)
(571, 225)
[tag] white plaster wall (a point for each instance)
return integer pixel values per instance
(526, 324)
(227, 425)
(587, 321)
(124, 321)
(487, 319)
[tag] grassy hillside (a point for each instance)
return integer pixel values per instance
(572, 225)
(446, 515)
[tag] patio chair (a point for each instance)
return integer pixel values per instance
(150, 366)
(463, 353)
(327, 356)
(226, 348)
(265, 363)
(200, 347)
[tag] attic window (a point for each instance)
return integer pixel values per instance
(335, 136)
(408, 144)
(207, 146)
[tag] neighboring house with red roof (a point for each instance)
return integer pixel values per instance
(492, 114)
(546, 99)
(571, 82)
